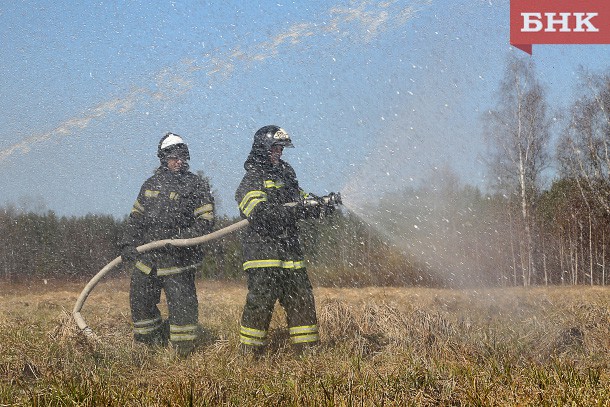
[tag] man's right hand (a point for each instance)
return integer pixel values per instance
(129, 253)
(309, 208)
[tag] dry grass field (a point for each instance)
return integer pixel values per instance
(381, 347)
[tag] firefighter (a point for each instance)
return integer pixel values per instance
(272, 255)
(174, 203)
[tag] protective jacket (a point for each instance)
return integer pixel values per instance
(170, 206)
(272, 253)
(271, 238)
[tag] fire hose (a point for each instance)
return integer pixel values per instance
(331, 200)
(78, 318)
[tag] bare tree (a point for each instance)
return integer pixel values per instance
(517, 133)
(584, 153)
(584, 149)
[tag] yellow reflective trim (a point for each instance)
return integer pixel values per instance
(251, 336)
(173, 195)
(252, 332)
(204, 209)
(145, 331)
(207, 216)
(305, 329)
(272, 184)
(205, 212)
(305, 338)
(146, 322)
(273, 263)
(182, 337)
(137, 209)
(179, 333)
(175, 270)
(151, 194)
(252, 205)
(143, 267)
(251, 195)
(251, 199)
(292, 264)
(147, 326)
(251, 341)
(262, 263)
(182, 328)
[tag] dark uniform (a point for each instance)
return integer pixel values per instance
(170, 205)
(272, 253)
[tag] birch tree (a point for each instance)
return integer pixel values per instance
(517, 132)
(584, 153)
(584, 149)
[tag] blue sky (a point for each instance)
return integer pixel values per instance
(373, 93)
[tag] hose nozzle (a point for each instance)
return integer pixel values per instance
(332, 199)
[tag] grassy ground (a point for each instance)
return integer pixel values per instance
(381, 346)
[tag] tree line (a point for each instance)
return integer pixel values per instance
(341, 250)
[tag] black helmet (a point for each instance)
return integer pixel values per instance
(172, 145)
(267, 136)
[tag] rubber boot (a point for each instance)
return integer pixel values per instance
(183, 348)
(156, 339)
(302, 350)
(255, 352)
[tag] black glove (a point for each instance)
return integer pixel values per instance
(310, 207)
(129, 253)
(329, 210)
(331, 202)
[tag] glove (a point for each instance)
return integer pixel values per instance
(329, 210)
(309, 208)
(129, 254)
(331, 202)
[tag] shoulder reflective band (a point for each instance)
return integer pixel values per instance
(250, 200)
(272, 184)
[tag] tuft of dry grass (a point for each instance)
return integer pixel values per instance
(380, 346)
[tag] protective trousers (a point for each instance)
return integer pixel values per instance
(294, 292)
(182, 304)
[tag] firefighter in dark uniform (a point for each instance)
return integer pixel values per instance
(172, 204)
(273, 258)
